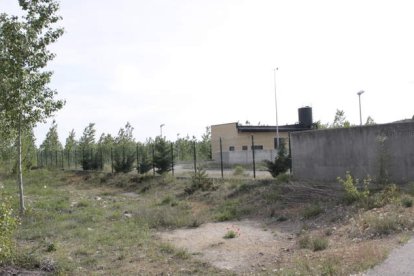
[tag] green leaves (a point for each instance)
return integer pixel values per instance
(24, 55)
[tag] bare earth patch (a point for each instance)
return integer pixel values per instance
(254, 249)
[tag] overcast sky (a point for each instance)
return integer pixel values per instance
(189, 64)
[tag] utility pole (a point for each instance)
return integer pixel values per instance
(277, 123)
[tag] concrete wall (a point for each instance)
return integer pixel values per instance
(326, 154)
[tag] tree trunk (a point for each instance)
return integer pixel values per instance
(19, 166)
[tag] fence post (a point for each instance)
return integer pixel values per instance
(172, 158)
(195, 157)
(290, 156)
(153, 158)
(137, 149)
(112, 160)
(221, 158)
(254, 160)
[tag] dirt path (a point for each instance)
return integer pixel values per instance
(254, 249)
(400, 262)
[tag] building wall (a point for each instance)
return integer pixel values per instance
(326, 154)
(231, 137)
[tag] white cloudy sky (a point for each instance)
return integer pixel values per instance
(193, 63)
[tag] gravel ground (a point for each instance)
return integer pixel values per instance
(400, 262)
(250, 252)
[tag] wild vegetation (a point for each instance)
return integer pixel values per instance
(109, 223)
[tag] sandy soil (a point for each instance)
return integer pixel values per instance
(253, 250)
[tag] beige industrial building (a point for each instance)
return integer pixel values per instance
(237, 140)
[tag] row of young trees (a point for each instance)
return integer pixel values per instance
(122, 153)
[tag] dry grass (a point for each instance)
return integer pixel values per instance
(104, 224)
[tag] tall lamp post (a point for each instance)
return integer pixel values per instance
(360, 113)
(277, 123)
(161, 129)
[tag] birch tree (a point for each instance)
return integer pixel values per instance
(25, 98)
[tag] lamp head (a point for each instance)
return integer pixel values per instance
(360, 92)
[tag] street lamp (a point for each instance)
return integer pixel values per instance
(161, 129)
(360, 114)
(277, 124)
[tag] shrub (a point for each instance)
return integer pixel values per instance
(314, 244)
(305, 242)
(238, 171)
(312, 211)
(199, 180)
(281, 163)
(385, 224)
(389, 194)
(352, 193)
(8, 224)
(319, 244)
(232, 232)
(230, 210)
(162, 155)
(407, 202)
(124, 158)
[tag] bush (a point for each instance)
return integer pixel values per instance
(124, 158)
(319, 244)
(281, 163)
(162, 155)
(238, 171)
(407, 202)
(8, 224)
(230, 210)
(314, 244)
(199, 180)
(352, 193)
(312, 211)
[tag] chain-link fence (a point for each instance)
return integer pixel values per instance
(219, 162)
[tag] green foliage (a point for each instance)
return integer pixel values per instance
(340, 120)
(407, 202)
(352, 193)
(387, 223)
(90, 159)
(230, 235)
(8, 224)
(199, 180)
(281, 163)
(230, 210)
(145, 164)
(51, 146)
(28, 150)
(313, 243)
(162, 155)
(238, 171)
(71, 142)
(25, 98)
(204, 146)
(51, 142)
(124, 150)
(319, 243)
(184, 148)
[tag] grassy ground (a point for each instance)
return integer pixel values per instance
(95, 223)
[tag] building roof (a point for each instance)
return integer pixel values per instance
(285, 128)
